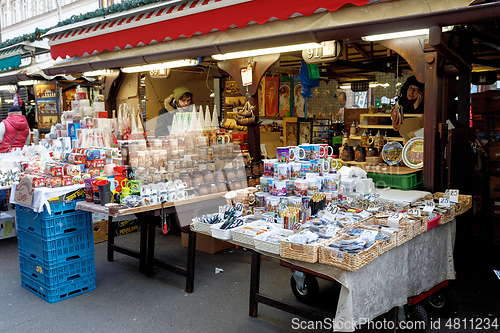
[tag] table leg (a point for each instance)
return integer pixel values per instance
(151, 228)
(143, 246)
(191, 262)
(254, 284)
(111, 238)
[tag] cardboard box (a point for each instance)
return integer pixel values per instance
(100, 231)
(495, 187)
(7, 226)
(206, 243)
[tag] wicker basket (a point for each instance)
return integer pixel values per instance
(447, 216)
(463, 205)
(270, 247)
(385, 245)
(420, 226)
(302, 252)
(402, 235)
(238, 234)
(344, 260)
(218, 233)
(201, 227)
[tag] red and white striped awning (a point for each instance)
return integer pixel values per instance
(175, 21)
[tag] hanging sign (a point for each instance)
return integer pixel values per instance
(246, 76)
(330, 51)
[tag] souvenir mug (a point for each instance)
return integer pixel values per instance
(279, 188)
(260, 199)
(300, 187)
(272, 203)
(295, 172)
(327, 150)
(269, 167)
(284, 171)
(305, 168)
(283, 154)
(296, 153)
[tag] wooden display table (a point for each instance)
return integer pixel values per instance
(390, 169)
(184, 211)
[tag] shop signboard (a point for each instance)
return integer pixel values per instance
(329, 52)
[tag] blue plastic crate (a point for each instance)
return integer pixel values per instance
(55, 226)
(59, 292)
(57, 251)
(62, 273)
(58, 208)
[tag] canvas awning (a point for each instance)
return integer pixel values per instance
(179, 20)
(29, 72)
(10, 58)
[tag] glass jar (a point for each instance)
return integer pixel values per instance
(208, 176)
(236, 185)
(256, 168)
(251, 181)
(210, 166)
(203, 189)
(213, 188)
(220, 176)
(230, 174)
(186, 178)
(248, 170)
(197, 178)
(240, 173)
(222, 187)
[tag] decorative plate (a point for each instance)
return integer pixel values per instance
(391, 153)
(413, 153)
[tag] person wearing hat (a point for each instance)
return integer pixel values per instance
(181, 98)
(14, 131)
(412, 96)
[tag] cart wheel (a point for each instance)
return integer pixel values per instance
(309, 293)
(416, 319)
(442, 303)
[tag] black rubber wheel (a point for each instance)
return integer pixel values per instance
(309, 293)
(442, 303)
(416, 319)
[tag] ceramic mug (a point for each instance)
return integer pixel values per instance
(283, 154)
(296, 153)
(284, 171)
(295, 172)
(279, 188)
(328, 150)
(272, 203)
(181, 194)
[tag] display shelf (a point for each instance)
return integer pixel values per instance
(389, 138)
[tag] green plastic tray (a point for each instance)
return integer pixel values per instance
(399, 182)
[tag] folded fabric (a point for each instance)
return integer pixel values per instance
(346, 172)
(358, 172)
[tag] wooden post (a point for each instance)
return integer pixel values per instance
(259, 65)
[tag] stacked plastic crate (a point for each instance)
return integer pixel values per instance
(56, 251)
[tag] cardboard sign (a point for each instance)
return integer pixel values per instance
(24, 192)
(454, 196)
(246, 76)
(429, 206)
(444, 202)
(393, 219)
(414, 212)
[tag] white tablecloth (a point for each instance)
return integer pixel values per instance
(42, 195)
(388, 281)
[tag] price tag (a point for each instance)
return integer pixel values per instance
(444, 202)
(238, 209)
(331, 231)
(221, 212)
(374, 196)
(364, 213)
(246, 76)
(270, 219)
(368, 235)
(454, 196)
(297, 226)
(24, 192)
(393, 219)
(429, 206)
(332, 209)
(414, 212)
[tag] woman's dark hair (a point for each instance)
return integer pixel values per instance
(186, 94)
(411, 81)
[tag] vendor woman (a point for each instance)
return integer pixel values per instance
(181, 98)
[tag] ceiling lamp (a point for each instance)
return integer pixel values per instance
(271, 50)
(168, 64)
(99, 72)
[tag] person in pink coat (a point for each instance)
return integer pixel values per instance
(14, 131)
